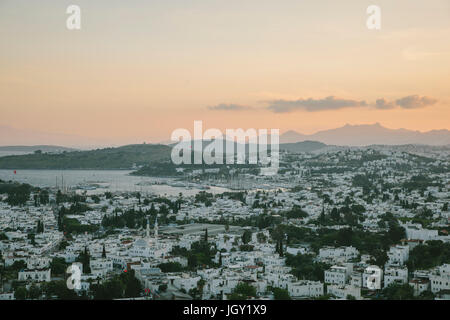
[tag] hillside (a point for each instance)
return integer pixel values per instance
(109, 158)
(304, 146)
(22, 150)
(371, 134)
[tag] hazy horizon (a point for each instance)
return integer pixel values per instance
(35, 138)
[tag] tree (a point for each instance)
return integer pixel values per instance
(192, 261)
(20, 293)
(18, 195)
(304, 267)
(243, 291)
(281, 294)
(162, 287)
(261, 237)
(34, 292)
(445, 207)
(206, 235)
(171, 267)
(85, 259)
(36, 202)
(429, 255)
(44, 197)
(246, 236)
(30, 237)
(40, 227)
(58, 266)
(280, 248)
(95, 198)
(380, 257)
(426, 295)
(334, 215)
(133, 286)
(104, 252)
(322, 217)
(138, 195)
(397, 291)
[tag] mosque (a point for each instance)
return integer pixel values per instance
(150, 247)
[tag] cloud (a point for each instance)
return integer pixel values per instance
(332, 103)
(229, 107)
(414, 102)
(329, 103)
(382, 104)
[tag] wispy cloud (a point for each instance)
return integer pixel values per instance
(383, 104)
(229, 107)
(329, 103)
(332, 103)
(414, 102)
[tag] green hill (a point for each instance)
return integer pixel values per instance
(304, 146)
(109, 158)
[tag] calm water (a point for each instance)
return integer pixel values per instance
(107, 180)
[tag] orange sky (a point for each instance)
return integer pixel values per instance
(139, 70)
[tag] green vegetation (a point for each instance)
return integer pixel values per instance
(281, 294)
(243, 291)
(431, 254)
(18, 194)
(171, 267)
(200, 255)
(420, 182)
(110, 158)
(72, 225)
(58, 266)
(85, 259)
(295, 213)
(303, 267)
(397, 291)
(124, 285)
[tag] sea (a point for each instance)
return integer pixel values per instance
(100, 181)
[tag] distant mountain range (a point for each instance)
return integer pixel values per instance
(348, 135)
(364, 135)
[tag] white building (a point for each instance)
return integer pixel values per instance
(37, 275)
(419, 285)
(337, 275)
(343, 291)
(305, 288)
(394, 274)
(370, 272)
(398, 255)
(441, 279)
(101, 264)
(341, 253)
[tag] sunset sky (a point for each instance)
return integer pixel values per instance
(137, 70)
